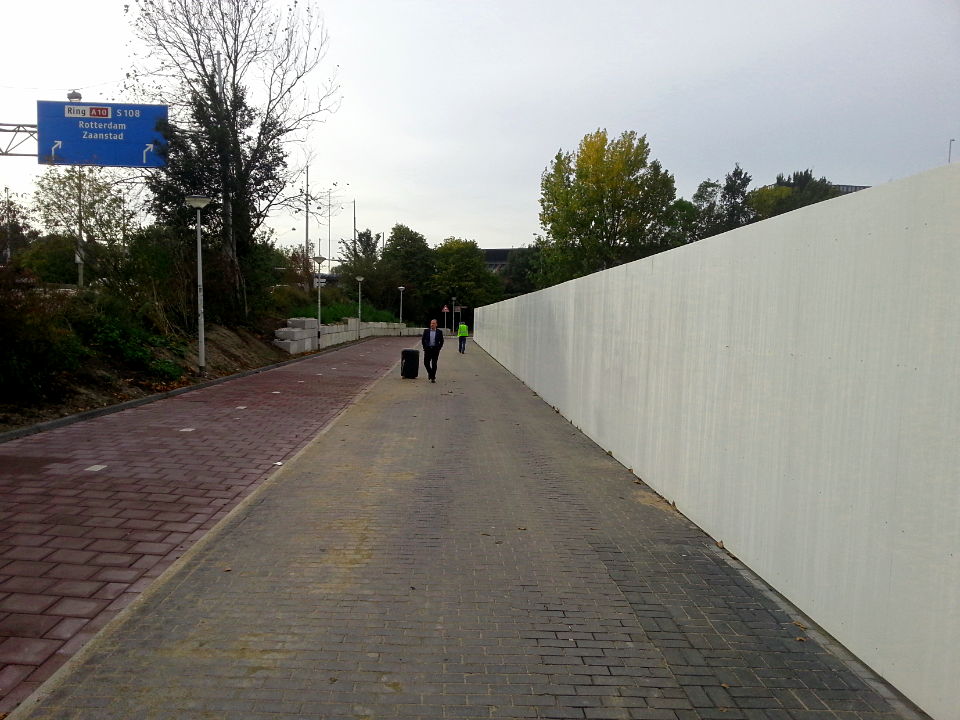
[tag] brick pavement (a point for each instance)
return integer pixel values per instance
(92, 513)
(457, 550)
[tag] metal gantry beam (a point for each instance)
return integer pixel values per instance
(19, 133)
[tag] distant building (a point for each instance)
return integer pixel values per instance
(497, 259)
(847, 189)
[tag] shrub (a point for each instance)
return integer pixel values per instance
(51, 259)
(283, 298)
(37, 345)
(334, 312)
(106, 324)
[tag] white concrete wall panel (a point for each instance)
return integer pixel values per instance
(794, 386)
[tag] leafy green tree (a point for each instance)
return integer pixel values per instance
(766, 201)
(520, 274)
(100, 204)
(601, 206)
(360, 258)
(67, 198)
(721, 208)
(734, 207)
(363, 258)
(462, 273)
(16, 231)
(706, 201)
(362, 254)
(790, 193)
(682, 223)
(409, 261)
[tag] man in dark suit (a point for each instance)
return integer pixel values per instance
(432, 341)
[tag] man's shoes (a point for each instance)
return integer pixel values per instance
(432, 380)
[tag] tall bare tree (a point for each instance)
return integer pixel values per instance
(241, 79)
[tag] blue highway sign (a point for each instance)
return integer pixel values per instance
(106, 134)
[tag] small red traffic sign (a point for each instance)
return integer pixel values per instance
(446, 309)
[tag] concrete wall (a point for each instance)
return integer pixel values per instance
(290, 339)
(794, 386)
(347, 331)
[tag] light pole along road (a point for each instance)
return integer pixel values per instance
(199, 202)
(319, 259)
(359, 306)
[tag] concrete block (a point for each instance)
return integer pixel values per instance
(302, 323)
(294, 347)
(292, 333)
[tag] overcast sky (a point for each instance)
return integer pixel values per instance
(451, 110)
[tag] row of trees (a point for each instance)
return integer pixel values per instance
(610, 203)
(243, 86)
(430, 276)
(152, 267)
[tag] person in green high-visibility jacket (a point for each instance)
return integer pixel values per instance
(462, 333)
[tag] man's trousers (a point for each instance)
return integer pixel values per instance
(430, 356)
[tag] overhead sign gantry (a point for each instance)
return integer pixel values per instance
(104, 134)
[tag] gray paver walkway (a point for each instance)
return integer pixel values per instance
(456, 550)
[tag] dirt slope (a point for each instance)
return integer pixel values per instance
(100, 383)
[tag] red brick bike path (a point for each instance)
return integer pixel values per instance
(92, 513)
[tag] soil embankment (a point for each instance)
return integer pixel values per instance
(99, 383)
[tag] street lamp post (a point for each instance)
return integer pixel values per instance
(950, 151)
(453, 315)
(198, 202)
(359, 306)
(320, 283)
(401, 289)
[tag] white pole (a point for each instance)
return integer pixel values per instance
(202, 362)
(306, 227)
(329, 241)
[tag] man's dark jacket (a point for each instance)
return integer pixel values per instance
(425, 340)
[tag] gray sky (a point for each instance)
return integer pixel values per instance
(451, 110)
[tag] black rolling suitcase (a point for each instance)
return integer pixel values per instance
(409, 363)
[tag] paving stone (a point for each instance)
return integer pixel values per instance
(444, 550)
(62, 524)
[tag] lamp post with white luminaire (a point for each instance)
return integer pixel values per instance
(359, 305)
(198, 202)
(319, 260)
(401, 289)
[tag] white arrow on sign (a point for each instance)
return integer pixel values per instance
(149, 149)
(57, 144)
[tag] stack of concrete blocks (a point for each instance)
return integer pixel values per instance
(299, 336)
